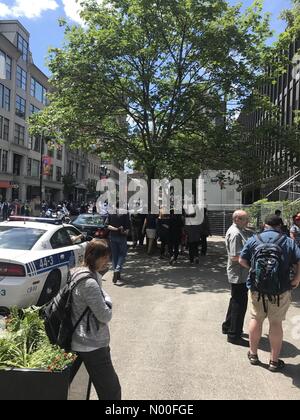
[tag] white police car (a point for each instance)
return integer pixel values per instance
(35, 258)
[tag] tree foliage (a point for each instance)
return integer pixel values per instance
(155, 81)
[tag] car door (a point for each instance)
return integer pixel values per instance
(66, 251)
(80, 247)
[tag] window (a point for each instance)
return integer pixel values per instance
(29, 166)
(35, 168)
(8, 62)
(34, 143)
(4, 161)
(5, 134)
(19, 238)
(58, 174)
(23, 46)
(34, 109)
(38, 91)
(17, 165)
(21, 78)
(20, 107)
(19, 135)
(73, 233)
(77, 171)
(4, 97)
(61, 239)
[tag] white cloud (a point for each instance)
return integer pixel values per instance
(72, 10)
(27, 8)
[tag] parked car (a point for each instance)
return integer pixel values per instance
(35, 258)
(92, 225)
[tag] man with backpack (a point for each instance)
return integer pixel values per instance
(271, 257)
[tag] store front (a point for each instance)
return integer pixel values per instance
(4, 186)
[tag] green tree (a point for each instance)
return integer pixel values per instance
(148, 80)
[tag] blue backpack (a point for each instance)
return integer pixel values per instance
(266, 267)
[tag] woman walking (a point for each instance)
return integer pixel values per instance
(92, 304)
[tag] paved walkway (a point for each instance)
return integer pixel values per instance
(166, 340)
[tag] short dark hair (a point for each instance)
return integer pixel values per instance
(273, 221)
(277, 212)
(97, 248)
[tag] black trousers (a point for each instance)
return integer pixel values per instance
(164, 245)
(174, 249)
(234, 323)
(102, 373)
(193, 250)
(203, 244)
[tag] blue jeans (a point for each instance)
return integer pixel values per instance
(119, 251)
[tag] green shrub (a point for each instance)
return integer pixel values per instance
(25, 345)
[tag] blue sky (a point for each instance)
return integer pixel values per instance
(40, 18)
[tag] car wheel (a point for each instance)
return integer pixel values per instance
(51, 288)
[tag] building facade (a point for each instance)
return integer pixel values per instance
(276, 161)
(22, 93)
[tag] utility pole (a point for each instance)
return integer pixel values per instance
(42, 169)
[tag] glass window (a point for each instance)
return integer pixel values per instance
(8, 62)
(38, 91)
(17, 165)
(29, 165)
(19, 237)
(58, 174)
(35, 169)
(4, 97)
(34, 109)
(21, 78)
(4, 163)
(20, 107)
(23, 46)
(19, 135)
(60, 239)
(5, 135)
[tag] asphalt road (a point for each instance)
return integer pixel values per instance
(167, 342)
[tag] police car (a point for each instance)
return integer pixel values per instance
(35, 258)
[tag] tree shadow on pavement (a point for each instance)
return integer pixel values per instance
(209, 276)
(288, 349)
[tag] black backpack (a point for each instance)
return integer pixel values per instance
(57, 315)
(266, 268)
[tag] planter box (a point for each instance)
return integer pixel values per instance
(30, 384)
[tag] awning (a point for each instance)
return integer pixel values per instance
(5, 184)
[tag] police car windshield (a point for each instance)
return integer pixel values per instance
(90, 220)
(19, 237)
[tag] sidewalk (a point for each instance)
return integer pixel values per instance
(167, 341)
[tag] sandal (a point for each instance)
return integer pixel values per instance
(253, 358)
(276, 366)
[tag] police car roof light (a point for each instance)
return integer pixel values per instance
(35, 219)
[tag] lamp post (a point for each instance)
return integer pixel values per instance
(41, 170)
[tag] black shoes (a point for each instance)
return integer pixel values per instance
(117, 276)
(276, 366)
(238, 341)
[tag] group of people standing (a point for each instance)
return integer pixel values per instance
(174, 231)
(14, 208)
